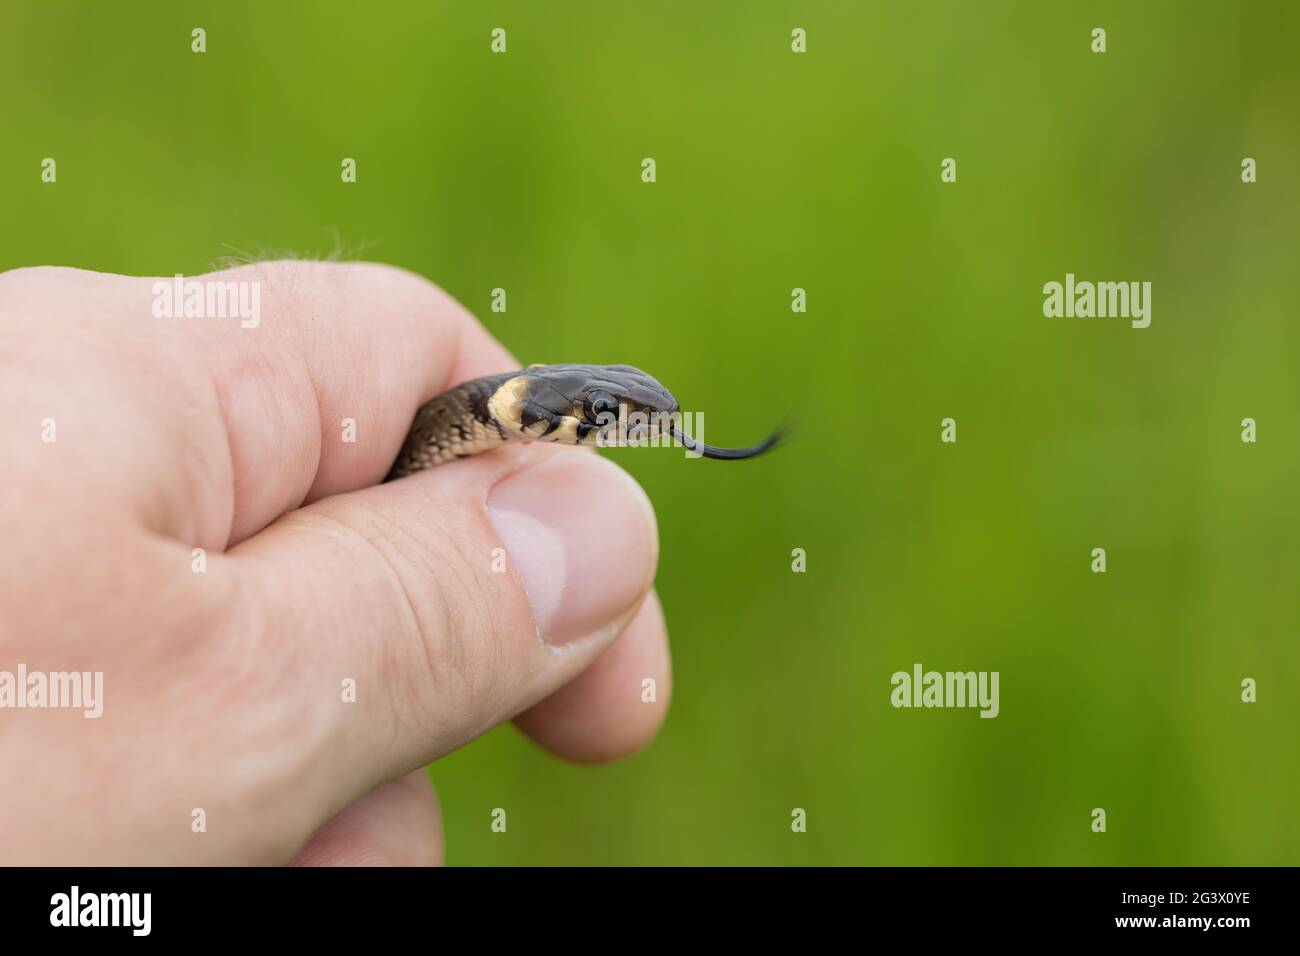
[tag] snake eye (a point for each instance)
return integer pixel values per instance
(599, 403)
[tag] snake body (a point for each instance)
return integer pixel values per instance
(568, 404)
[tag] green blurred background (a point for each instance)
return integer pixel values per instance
(818, 171)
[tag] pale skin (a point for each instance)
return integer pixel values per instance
(517, 584)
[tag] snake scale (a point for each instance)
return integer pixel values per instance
(566, 404)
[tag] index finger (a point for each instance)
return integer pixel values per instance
(317, 396)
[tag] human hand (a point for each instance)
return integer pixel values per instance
(132, 440)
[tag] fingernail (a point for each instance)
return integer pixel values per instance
(581, 536)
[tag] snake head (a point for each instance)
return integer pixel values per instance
(578, 404)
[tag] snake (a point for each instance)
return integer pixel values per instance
(565, 404)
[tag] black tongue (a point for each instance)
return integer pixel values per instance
(725, 454)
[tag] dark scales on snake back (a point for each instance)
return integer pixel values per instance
(567, 404)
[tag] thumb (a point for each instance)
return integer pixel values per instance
(454, 598)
